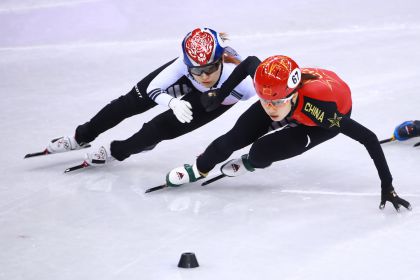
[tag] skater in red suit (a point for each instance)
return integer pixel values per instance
(315, 104)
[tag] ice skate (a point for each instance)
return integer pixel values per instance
(100, 157)
(65, 144)
(60, 145)
(236, 167)
(183, 175)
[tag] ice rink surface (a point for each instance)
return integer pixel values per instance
(312, 217)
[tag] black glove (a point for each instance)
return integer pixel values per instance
(389, 194)
(212, 99)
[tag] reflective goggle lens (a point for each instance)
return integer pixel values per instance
(208, 69)
(277, 102)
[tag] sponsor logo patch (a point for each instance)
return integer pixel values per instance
(180, 175)
(235, 167)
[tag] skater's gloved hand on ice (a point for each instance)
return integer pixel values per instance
(212, 99)
(182, 110)
(388, 194)
(407, 130)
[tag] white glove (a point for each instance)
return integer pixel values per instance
(182, 109)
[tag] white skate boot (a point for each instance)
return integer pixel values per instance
(237, 167)
(99, 157)
(183, 175)
(65, 144)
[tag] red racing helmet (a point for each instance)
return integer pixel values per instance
(276, 77)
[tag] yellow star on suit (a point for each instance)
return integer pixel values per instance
(335, 121)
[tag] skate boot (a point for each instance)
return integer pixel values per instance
(236, 167)
(65, 144)
(99, 157)
(183, 175)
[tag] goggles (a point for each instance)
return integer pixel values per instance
(208, 69)
(277, 102)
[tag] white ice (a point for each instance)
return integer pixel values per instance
(312, 217)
